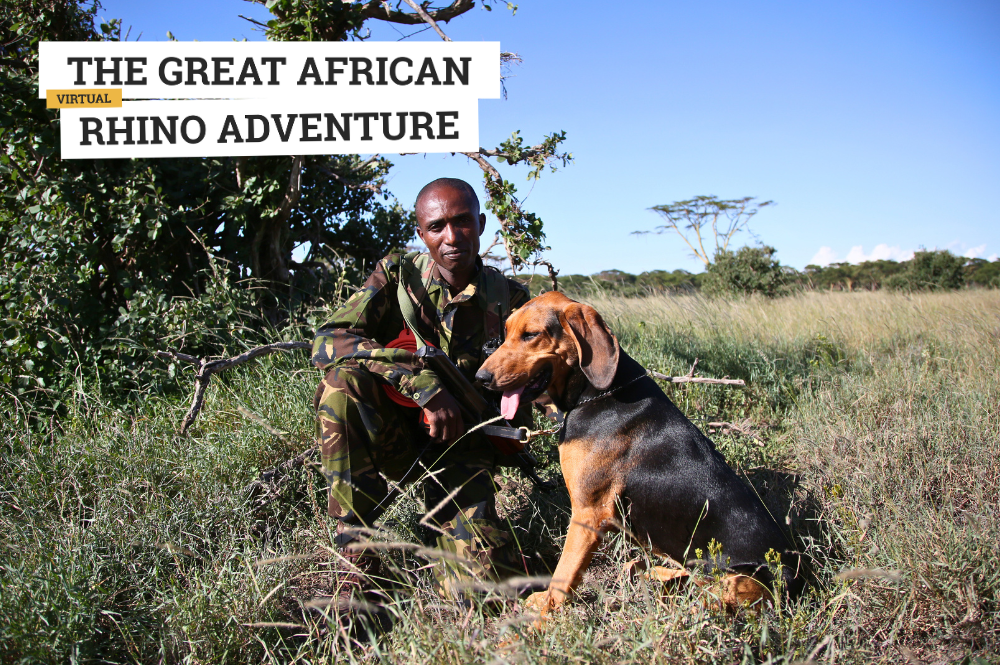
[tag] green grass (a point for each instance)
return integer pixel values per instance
(876, 437)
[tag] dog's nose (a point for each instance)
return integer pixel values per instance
(484, 376)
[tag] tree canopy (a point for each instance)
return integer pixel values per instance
(694, 219)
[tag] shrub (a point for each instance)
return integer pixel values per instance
(934, 270)
(746, 271)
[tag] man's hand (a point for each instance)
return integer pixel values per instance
(442, 412)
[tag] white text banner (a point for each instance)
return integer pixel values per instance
(214, 128)
(443, 71)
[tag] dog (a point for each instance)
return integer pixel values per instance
(625, 447)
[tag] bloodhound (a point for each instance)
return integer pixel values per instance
(626, 447)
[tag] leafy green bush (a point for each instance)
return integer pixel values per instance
(934, 270)
(747, 271)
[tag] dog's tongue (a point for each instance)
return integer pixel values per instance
(509, 402)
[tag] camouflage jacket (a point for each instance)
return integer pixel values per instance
(459, 326)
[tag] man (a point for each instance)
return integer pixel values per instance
(366, 436)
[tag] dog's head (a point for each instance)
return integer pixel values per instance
(549, 340)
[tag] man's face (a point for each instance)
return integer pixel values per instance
(450, 224)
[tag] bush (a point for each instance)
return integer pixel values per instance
(748, 270)
(933, 271)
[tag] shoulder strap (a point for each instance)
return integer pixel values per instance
(497, 290)
(406, 306)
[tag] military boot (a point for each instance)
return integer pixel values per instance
(357, 581)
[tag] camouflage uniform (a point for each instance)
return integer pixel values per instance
(365, 437)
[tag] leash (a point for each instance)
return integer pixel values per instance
(529, 434)
(610, 391)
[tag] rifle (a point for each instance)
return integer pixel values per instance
(476, 409)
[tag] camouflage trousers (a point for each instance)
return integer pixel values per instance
(366, 440)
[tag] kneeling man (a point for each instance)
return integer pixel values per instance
(381, 416)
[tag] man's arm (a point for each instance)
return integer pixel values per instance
(353, 331)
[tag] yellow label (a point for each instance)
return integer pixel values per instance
(83, 99)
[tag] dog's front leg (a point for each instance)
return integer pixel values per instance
(581, 543)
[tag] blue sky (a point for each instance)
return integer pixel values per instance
(874, 126)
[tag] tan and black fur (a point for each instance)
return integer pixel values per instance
(624, 443)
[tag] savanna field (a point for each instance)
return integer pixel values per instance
(870, 426)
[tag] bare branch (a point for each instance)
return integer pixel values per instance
(496, 241)
(483, 164)
(294, 191)
(346, 183)
(207, 368)
(267, 488)
(695, 379)
(381, 11)
(252, 20)
(427, 19)
(552, 273)
(728, 428)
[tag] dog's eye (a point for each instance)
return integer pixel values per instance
(528, 336)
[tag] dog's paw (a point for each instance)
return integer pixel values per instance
(662, 574)
(540, 601)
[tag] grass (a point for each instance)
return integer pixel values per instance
(876, 437)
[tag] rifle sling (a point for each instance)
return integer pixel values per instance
(409, 312)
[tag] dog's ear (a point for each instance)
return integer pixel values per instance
(596, 347)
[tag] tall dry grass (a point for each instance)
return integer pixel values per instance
(876, 425)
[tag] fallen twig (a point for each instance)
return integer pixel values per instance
(266, 488)
(696, 379)
(206, 368)
(729, 428)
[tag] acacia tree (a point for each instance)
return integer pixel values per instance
(96, 253)
(695, 218)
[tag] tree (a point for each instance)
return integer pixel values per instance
(693, 218)
(744, 272)
(982, 272)
(105, 259)
(930, 270)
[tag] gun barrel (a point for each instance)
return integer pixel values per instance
(460, 387)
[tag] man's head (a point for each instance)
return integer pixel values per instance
(449, 223)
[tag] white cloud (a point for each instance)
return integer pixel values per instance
(975, 252)
(881, 252)
(824, 257)
(827, 255)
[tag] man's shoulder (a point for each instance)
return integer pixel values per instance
(497, 274)
(391, 262)
(517, 285)
(517, 292)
